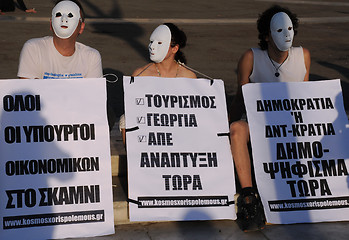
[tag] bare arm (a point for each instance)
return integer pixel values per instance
(307, 62)
(245, 67)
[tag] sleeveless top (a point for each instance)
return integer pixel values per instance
(292, 70)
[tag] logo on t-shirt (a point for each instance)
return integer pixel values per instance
(61, 76)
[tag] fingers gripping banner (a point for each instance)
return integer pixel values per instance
(55, 174)
(299, 136)
(179, 161)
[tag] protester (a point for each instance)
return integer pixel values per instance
(165, 53)
(275, 61)
(166, 43)
(60, 55)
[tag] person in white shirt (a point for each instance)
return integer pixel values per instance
(60, 56)
(275, 61)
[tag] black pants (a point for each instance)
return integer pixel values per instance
(10, 5)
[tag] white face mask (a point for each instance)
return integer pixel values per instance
(159, 44)
(65, 18)
(281, 29)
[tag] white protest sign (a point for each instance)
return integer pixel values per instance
(55, 170)
(299, 136)
(179, 161)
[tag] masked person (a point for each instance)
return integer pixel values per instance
(60, 55)
(165, 46)
(166, 43)
(275, 61)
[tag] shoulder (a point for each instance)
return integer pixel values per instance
(36, 47)
(38, 41)
(88, 54)
(143, 71)
(248, 54)
(186, 73)
(246, 58)
(245, 66)
(300, 51)
(86, 49)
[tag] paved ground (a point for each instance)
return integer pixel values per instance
(226, 230)
(218, 33)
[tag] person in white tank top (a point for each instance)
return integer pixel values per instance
(275, 61)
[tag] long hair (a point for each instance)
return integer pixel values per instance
(263, 23)
(179, 38)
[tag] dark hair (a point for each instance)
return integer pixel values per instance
(263, 23)
(82, 12)
(179, 38)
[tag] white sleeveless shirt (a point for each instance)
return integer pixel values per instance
(292, 70)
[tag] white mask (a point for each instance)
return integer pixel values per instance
(65, 18)
(281, 29)
(159, 44)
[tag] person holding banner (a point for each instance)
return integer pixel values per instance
(168, 60)
(60, 55)
(275, 61)
(165, 46)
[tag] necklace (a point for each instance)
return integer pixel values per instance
(157, 69)
(277, 74)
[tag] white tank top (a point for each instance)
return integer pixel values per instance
(292, 70)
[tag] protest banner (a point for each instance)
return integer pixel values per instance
(299, 135)
(179, 161)
(55, 170)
